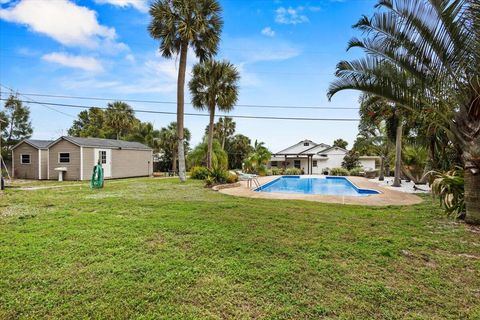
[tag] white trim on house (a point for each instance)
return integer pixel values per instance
(39, 164)
(81, 163)
(58, 159)
(29, 158)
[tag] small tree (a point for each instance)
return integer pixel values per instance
(16, 124)
(120, 117)
(351, 160)
(340, 143)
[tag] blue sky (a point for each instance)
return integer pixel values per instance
(286, 52)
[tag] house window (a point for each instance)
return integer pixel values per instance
(102, 155)
(306, 144)
(64, 157)
(314, 163)
(296, 164)
(25, 159)
(274, 164)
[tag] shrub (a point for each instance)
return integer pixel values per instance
(209, 181)
(219, 175)
(339, 172)
(232, 178)
(199, 173)
(358, 172)
(293, 172)
(276, 171)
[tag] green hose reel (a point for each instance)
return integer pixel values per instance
(97, 177)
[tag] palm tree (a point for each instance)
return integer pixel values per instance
(168, 140)
(225, 128)
(425, 55)
(120, 117)
(198, 156)
(257, 161)
(180, 24)
(214, 85)
(145, 133)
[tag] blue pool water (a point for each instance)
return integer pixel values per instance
(333, 186)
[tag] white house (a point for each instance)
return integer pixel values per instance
(315, 158)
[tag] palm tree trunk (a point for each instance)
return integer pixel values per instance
(210, 137)
(181, 110)
(382, 169)
(472, 197)
(174, 161)
(397, 182)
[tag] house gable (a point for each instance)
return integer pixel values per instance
(297, 148)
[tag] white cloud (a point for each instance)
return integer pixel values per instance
(140, 5)
(267, 31)
(64, 21)
(290, 15)
(78, 62)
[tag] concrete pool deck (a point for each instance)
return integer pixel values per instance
(387, 197)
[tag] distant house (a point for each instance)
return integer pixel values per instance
(315, 158)
(77, 156)
(29, 159)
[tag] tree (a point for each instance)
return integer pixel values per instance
(16, 124)
(225, 128)
(120, 117)
(199, 155)
(257, 161)
(351, 160)
(214, 85)
(180, 24)
(340, 143)
(424, 55)
(167, 143)
(90, 123)
(145, 133)
(238, 149)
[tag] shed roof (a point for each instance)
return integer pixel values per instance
(39, 144)
(106, 143)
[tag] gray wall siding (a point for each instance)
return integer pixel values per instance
(73, 168)
(131, 163)
(25, 171)
(44, 165)
(88, 162)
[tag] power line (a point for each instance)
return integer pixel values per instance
(174, 103)
(199, 114)
(33, 101)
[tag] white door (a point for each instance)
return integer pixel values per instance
(105, 158)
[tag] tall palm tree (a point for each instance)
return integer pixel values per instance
(214, 85)
(145, 133)
(120, 117)
(431, 50)
(180, 24)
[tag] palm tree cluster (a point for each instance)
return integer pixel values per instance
(423, 57)
(180, 25)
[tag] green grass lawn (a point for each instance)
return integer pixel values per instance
(151, 249)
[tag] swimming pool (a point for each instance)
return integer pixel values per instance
(332, 186)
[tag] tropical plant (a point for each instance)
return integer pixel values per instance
(339, 172)
(198, 156)
(449, 188)
(167, 143)
(145, 133)
(293, 172)
(238, 149)
(357, 172)
(225, 128)
(120, 117)
(257, 161)
(424, 56)
(199, 173)
(340, 143)
(218, 174)
(214, 85)
(415, 159)
(351, 160)
(15, 124)
(180, 24)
